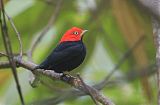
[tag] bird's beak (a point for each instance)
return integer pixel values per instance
(84, 31)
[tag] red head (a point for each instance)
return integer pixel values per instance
(73, 34)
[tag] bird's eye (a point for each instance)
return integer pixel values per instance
(76, 33)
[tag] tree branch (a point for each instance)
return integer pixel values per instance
(156, 33)
(71, 94)
(73, 81)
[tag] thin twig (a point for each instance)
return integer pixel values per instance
(52, 20)
(17, 33)
(120, 62)
(14, 54)
(8, 49)
(88, 90)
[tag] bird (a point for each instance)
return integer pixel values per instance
(69, 53)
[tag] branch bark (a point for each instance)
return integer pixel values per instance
(156, 33)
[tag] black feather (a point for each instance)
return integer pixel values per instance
(65, 57)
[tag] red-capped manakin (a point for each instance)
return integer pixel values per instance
(68, 54)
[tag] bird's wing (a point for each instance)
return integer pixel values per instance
(59, 57)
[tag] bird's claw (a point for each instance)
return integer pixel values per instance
(66, 77)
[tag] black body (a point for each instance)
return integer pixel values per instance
(65, 57)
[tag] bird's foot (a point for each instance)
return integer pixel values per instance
(67, 77)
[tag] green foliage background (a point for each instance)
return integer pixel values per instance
(114, 26)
